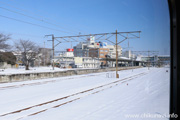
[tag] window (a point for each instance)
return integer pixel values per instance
(101, 54)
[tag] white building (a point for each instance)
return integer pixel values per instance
(67, 53)
(89, 62)
(82, 49)
(77, 62)
(64, 62)
(86, 62)
(128, 54)
(112, 51)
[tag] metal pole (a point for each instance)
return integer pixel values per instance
(132, 63)
(44, 53)
(148, 59)
(117, 75)
(53, 49)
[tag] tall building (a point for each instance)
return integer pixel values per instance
(99, 50)
(82, 49)
(112, 51)
(99, 53)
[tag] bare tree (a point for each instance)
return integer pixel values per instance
(29, 51)
(3, 40)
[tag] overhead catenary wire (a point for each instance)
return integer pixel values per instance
(32, 24)
(22, 34)
(41, 20)
(44, 18)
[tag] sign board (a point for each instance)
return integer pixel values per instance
(103, 44)
(70, 50)
(91, 40)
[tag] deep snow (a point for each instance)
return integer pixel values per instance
(145, 94)
(21, 70)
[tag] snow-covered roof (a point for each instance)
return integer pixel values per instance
(125, 58)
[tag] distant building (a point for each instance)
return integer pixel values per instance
(157, 60)
(44, 56)
(94, 52)
(82, 49)
(112, 51)
(66, 59)
(85, 49)
(64, 62)
(19, 57)
(77, 62)
(67, 53)
(89, 62)
(128, 54)
(99, 53)
(35, 60)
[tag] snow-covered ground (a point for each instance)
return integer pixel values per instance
(32, 70)
(88, 97)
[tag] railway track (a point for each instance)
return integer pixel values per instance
(44, 82)
(42, 107)
(47, 81)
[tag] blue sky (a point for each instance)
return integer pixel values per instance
(88, 17)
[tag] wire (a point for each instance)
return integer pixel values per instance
(33, 24)
(39, 16)
(24, 10)
(33, 18)
(22, 34)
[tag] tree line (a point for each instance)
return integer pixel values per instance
(26, 48)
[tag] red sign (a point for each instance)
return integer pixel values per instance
(70, 50)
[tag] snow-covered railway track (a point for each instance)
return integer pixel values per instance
(42, 107)
(45, 82)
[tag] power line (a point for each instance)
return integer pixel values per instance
(33, 18)
(22, 34)
(25, 10)
(32, 24)
(37, 15)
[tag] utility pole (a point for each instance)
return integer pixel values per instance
(52, 49)
(104, 36)
(132, 62)
(44, 53)
(148, 60)
(117, 75)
